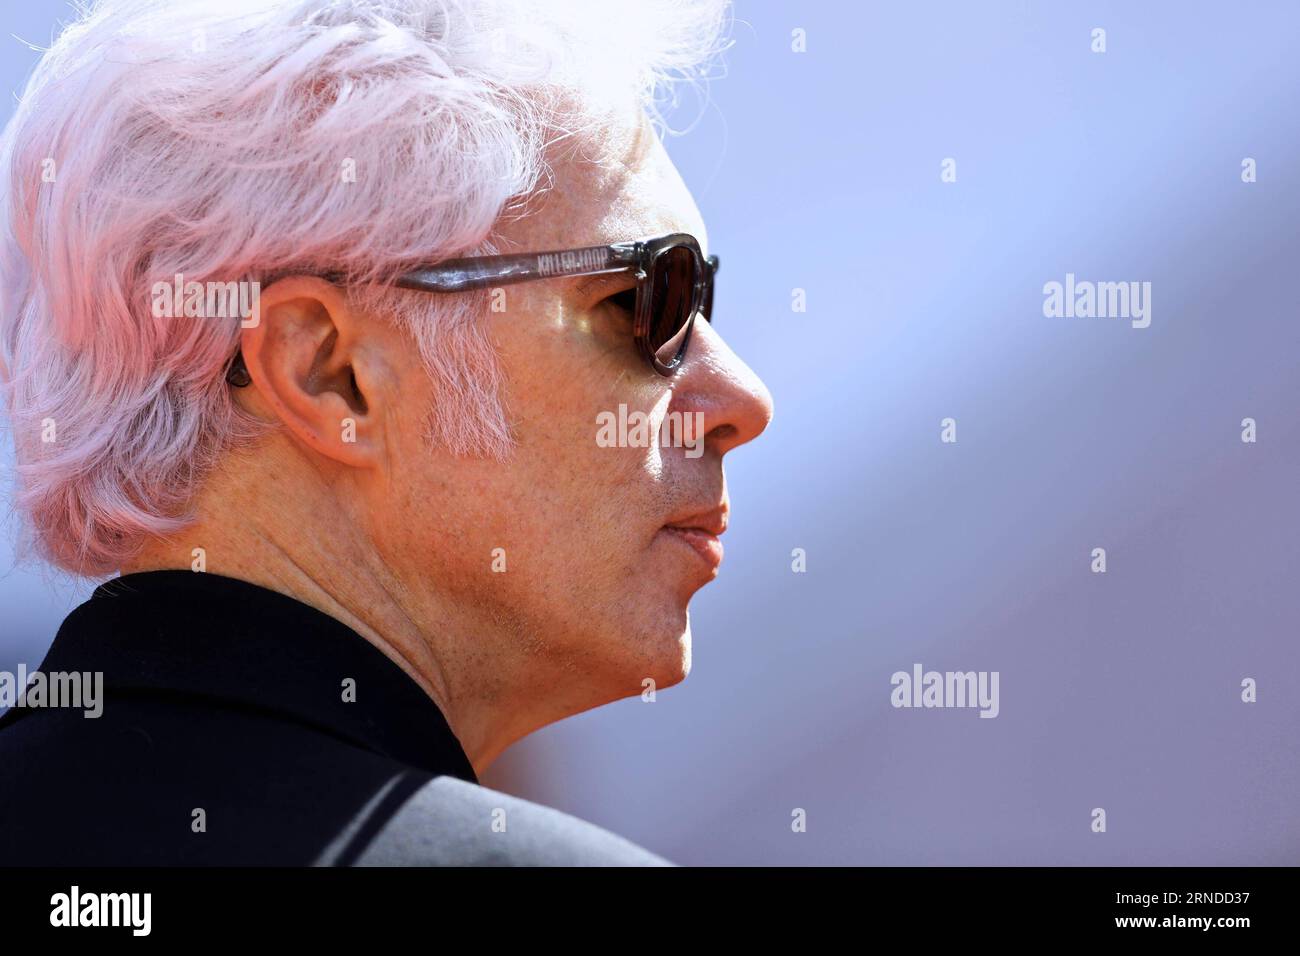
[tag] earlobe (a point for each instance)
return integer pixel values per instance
(303, 361)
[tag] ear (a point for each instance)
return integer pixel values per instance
(313, 369)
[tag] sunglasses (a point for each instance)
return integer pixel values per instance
(674, 283)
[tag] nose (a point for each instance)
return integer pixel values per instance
(714, 381)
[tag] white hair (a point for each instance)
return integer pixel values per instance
(208, 138)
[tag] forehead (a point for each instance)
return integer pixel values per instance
(612, 184)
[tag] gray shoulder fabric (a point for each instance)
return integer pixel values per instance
(450, 822)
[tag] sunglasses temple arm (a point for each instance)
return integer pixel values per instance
(459, 275)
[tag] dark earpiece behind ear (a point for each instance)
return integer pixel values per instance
(237, 375)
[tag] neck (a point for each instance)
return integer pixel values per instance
(479, 673)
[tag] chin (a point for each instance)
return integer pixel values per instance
(671, 658)
(646, 646)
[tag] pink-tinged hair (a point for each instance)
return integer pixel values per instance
(207, 138)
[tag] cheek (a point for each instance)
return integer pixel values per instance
(551, 349)
(561, 502)
(567, 372)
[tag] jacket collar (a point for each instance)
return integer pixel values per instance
(229, 640)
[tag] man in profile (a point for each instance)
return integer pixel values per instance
(368, 525)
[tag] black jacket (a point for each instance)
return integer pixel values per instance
(226, 738)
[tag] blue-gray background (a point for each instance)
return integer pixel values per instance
(821, 171)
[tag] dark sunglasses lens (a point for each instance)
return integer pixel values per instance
(673, 290)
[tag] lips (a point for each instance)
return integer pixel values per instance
(701, 532)
(706, 545)
(711, 521)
